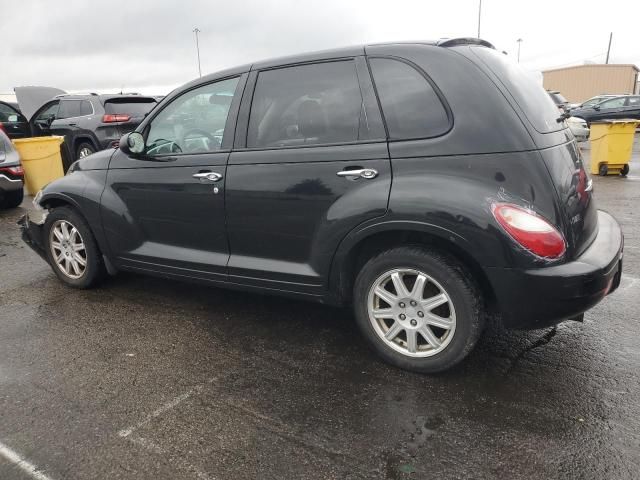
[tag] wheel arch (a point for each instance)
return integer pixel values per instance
(84, 138)
(359, 247)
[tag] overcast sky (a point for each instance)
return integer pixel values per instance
(148, 45)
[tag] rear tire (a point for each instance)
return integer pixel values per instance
(84, 149)
(432, 323)
(71, 249)
(13, 199)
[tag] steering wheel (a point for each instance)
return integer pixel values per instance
(215, 142)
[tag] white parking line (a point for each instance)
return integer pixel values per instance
(21, 463)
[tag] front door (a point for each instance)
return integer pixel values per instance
(314, 166)
(164, 211)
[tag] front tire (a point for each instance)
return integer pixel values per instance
(13, 199)
(71, 249)
(84, 150)
(418, 308)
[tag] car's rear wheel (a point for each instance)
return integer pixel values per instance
(603, 170)
(625, 170)
(71, 249)
(84, 150)
(13, 199)
(418, 308)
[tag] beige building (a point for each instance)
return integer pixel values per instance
(582, 82)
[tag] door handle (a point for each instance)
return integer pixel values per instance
(208, 176)
(367, 173)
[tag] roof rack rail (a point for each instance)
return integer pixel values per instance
(454, 42)
(76, 94)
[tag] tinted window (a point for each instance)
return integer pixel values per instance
(5, 112)
(613, 103)
(307, 105)
(134, 108)
(47, 112)
(194, 122)
(86, 108)
(525, 88)
(410, 105)
(68, 109)
(633, 101)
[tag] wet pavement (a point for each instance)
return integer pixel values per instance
(152, 379)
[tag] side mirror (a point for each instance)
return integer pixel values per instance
(596, 107)
(50, 119)
(132, 143)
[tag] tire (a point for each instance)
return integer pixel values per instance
(84, 149)
(445, 279)
(603, 170)
(625, 170)
(93, 271)
(13, 199)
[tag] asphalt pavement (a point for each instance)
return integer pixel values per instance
(152, 379)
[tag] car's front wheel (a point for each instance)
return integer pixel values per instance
(418, 308)
(71, 249)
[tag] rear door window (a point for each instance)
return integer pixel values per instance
(410, 104)
(633, 102)
(69, 109)
(315, 104)
(525, 88)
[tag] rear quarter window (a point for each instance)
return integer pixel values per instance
(410, 104)
(525, 88)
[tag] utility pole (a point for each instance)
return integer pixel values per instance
(479, 16)
(519, 43)
(197, 31)
(609, 48)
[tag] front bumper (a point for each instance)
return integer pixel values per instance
(32, 235)
(542, 297)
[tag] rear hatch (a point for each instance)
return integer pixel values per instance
(126, 113)
(559, 152)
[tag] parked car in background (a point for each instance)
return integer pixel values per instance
(277, 177)
(623, 106)
(592, 101)
(577, 126)
(12, 122)
(89, 122)
(11, 174)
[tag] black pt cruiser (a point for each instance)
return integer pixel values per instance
(427, 184)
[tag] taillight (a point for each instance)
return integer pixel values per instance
(2, 128)
(530, 230)
(110, 118)
(18, 171)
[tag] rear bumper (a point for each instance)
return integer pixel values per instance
(542, 297)
(8, 184)
(32, 235)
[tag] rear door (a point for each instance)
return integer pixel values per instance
(632, 108)
(164, 211)
(311, 164)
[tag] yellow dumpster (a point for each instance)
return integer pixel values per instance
(611, 145)
(41, 161)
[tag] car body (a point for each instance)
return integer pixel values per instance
(89, 122)
(429, 185)
(619, 107)
(11, 174)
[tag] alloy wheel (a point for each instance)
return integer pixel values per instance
(67, 249)
(411, 312)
